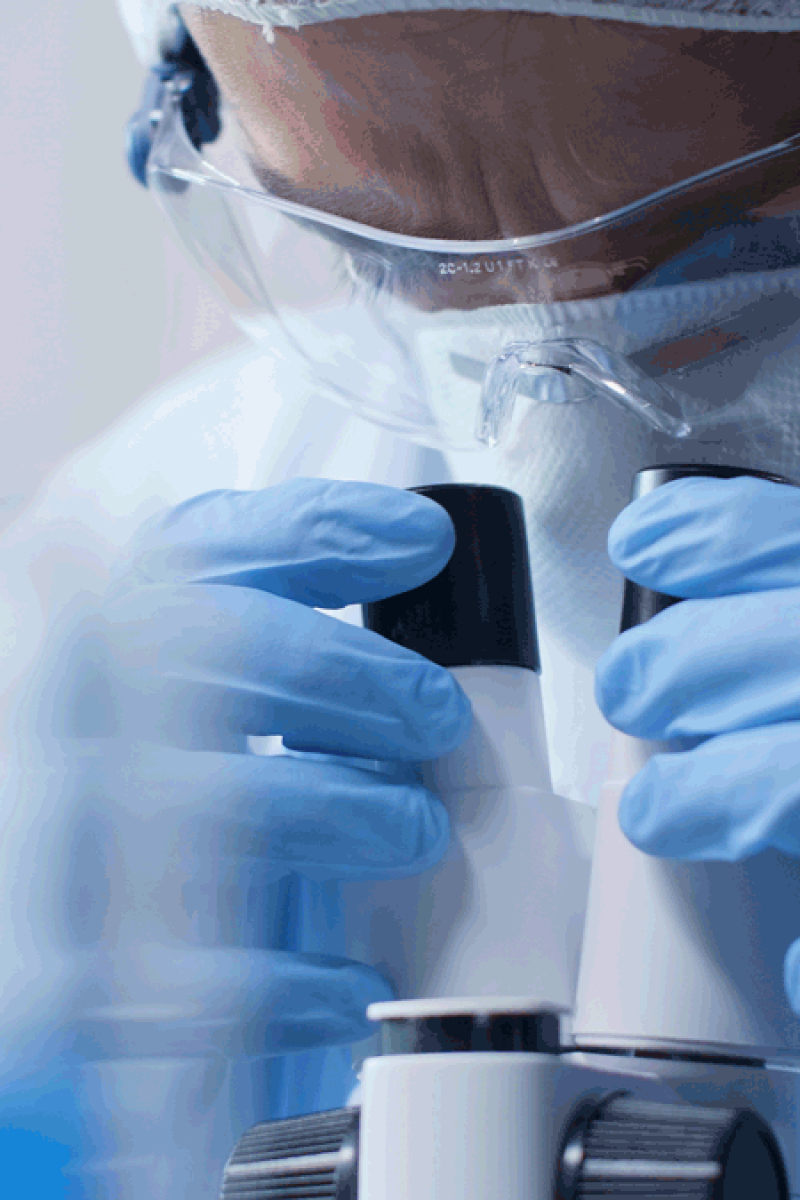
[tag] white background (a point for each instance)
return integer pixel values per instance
(98, 305)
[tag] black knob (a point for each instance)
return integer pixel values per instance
(472, 1033)
(632, 1148)
(315, 1155)
(478, 611)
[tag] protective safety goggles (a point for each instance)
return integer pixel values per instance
(440, 339)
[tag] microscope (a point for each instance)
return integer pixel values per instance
(579, 1019)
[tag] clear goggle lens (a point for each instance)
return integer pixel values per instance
(441, 340)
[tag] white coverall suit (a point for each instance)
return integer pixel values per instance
(242, 421)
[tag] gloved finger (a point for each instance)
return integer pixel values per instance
(791, 976)
(705, 667)
(700, 537)
(314, 1000)
(727, 799)
(322, 820)
(211, 657)
(321, 543)
(238, 1002)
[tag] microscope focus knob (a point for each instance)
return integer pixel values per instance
(312, 1156)
(637, 1149)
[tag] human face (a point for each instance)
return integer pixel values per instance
(494, 125)
(482, 127)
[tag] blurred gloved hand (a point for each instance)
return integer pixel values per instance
(213, 633)
(722, 667)
(200, 884)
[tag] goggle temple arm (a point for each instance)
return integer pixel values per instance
(199, 102)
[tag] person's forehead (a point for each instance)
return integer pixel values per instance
(484, 126)
(443, 27)
(149, 21)
(498, 44)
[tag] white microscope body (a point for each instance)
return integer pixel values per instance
(661, 1060)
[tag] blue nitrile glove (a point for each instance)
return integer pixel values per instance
(215, 635)
(722, 667)
(216, 869)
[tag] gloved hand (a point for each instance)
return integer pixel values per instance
(212, 628)
(722, 667)
(193, 847)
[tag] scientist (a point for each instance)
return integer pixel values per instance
(390, 195)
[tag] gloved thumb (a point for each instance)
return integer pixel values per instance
(791, 976)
